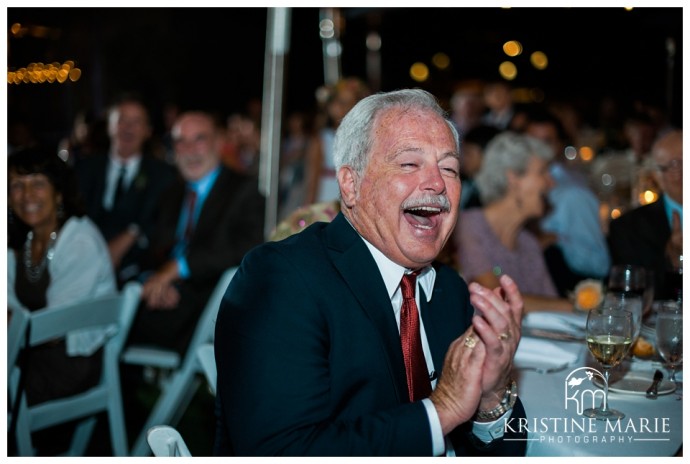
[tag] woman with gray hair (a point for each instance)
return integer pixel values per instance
(493, 240)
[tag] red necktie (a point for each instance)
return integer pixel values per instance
(191, 203)
(418, 383)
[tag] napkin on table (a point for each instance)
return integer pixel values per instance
(539, 353)
(552, 320)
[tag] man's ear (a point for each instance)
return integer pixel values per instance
(347, 179)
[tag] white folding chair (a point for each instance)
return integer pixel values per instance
(178, 390)
(166, 442)
(207, 360)
(113, 311)
(16, 332)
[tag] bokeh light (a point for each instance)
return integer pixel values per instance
(586, 153)
(441, 60)
(507, 70)
(419, 72)
(512, 48)
(40, 73)
(539, 60)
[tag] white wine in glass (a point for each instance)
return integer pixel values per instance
(609, 336)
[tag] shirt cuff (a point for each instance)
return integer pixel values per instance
(489, 431)
(437, 441)
(183, 268)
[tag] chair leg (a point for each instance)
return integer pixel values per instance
(116, 422)
(82, 436)
(169, 404)
(25, 445)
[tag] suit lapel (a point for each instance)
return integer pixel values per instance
(358, 268)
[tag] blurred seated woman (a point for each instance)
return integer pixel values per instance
(513, 182)
(55, 256)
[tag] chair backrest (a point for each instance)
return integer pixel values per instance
(166, 441)
(114, 313)
(207, 360)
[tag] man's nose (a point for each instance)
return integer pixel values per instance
(433, 180)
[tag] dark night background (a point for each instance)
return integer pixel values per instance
(213, 58)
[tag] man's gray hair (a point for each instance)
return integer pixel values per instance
(353, 139)
(507, 152)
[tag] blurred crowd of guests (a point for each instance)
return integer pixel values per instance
(546, 197)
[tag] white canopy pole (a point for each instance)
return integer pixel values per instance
(277, 46)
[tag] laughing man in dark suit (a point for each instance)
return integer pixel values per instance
(308, 347)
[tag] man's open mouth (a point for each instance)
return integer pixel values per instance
(423, 216)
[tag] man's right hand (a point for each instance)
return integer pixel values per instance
(459, 389)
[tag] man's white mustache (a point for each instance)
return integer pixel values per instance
(428, 200)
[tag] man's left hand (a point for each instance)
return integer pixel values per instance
(498, 323)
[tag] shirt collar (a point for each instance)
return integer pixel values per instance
(392, 273)
(128, 162)
(203, 185)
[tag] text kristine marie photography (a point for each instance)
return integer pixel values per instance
(580, 392)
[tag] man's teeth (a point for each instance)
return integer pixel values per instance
(428, 209)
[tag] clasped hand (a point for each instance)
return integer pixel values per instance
(159, 290)
(478, 363)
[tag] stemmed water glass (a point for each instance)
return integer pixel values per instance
(633, 279)
(609, 335)
(622, 301)
(669, 335)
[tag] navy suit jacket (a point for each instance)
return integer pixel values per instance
(309, 358)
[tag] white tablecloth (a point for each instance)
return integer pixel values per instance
(649, 428)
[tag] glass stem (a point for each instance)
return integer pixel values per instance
(604, 402)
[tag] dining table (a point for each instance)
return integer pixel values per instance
(558, 378)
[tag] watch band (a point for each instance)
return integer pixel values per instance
(506, 404)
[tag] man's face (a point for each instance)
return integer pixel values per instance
(197, 146)
(398, 204)
(128, 127)
(668, 158)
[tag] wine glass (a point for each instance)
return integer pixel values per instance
(669, 335)
(633, 279)
(609, 336)
(622, 301)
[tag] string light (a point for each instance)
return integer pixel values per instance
(39, 73)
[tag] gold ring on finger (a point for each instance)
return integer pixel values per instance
(503, 336)
(470, 341)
